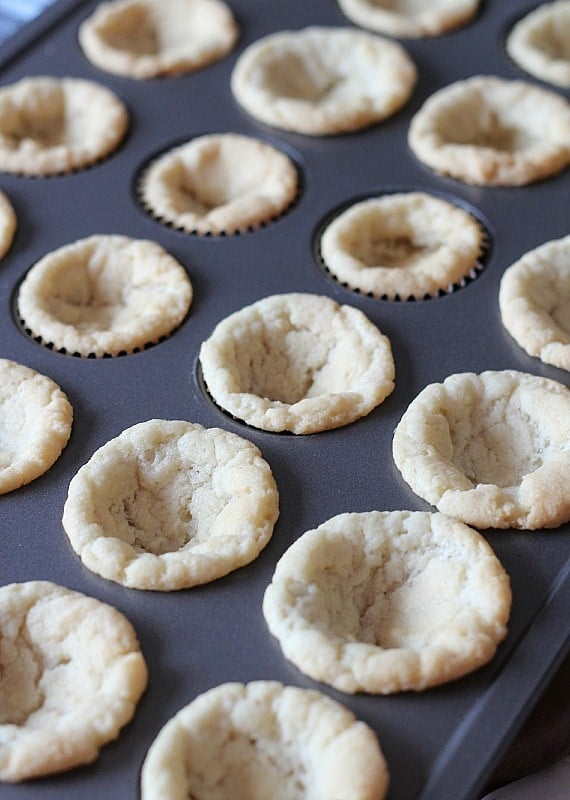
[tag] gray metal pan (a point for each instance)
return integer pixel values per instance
(442, 743)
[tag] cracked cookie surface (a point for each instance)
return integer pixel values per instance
(322, 81)
(408, 244)
(382, 602)
(410, 18)
(104, 295)
(169, 504)
(492, 449)
(534, 300)
(52, 125)
(489, 131)
(262, 740)
(297, 362)
(72, 675)
(35, 424)
(145, 39)
(219, 183)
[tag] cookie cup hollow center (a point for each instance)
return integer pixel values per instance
(133, 29)
(221, 171)
(35, 119)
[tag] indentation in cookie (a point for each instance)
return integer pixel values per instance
(539, 43)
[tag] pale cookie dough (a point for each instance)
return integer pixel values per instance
(405, 245)
(72, 675)
(219, 183)
(321, 81)
(384, 602)
(56, 125)
(490, 131)
(540, 43)
(410, 18)
(169, 504)
(534, 300)
(264, 740)
(147, 39)
(297, 362)
(8, 224)
(104, 295)
(491, 449)
(35, 424)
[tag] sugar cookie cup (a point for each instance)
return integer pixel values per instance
(285, 742)
(539, 43)
(219, 184)
(534, 301)
(8, 224)
(72, 675)
(106, 295)
(401, 18)
(385, 602)
(51, 126)
(168, 505)
(35, 424)
(492, 449)
(296, 362)
(489, 131)
(323, 81)
(406, 245)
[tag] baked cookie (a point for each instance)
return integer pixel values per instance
(219, 183)
(56, 125)
(540, 43)
(321, 81)
(491, 449)
(8, 224)
(534, 299)
(406, 245)
(384, 602)
(410, 18)
(262, 740)
(72, 675)
(490, 131)
(104, 295)
(297, 362)
(148, 39)
(35, 424)
(169, 504)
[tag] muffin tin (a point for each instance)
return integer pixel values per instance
(441, 743)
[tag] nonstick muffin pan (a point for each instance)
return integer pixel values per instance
(444, 742)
